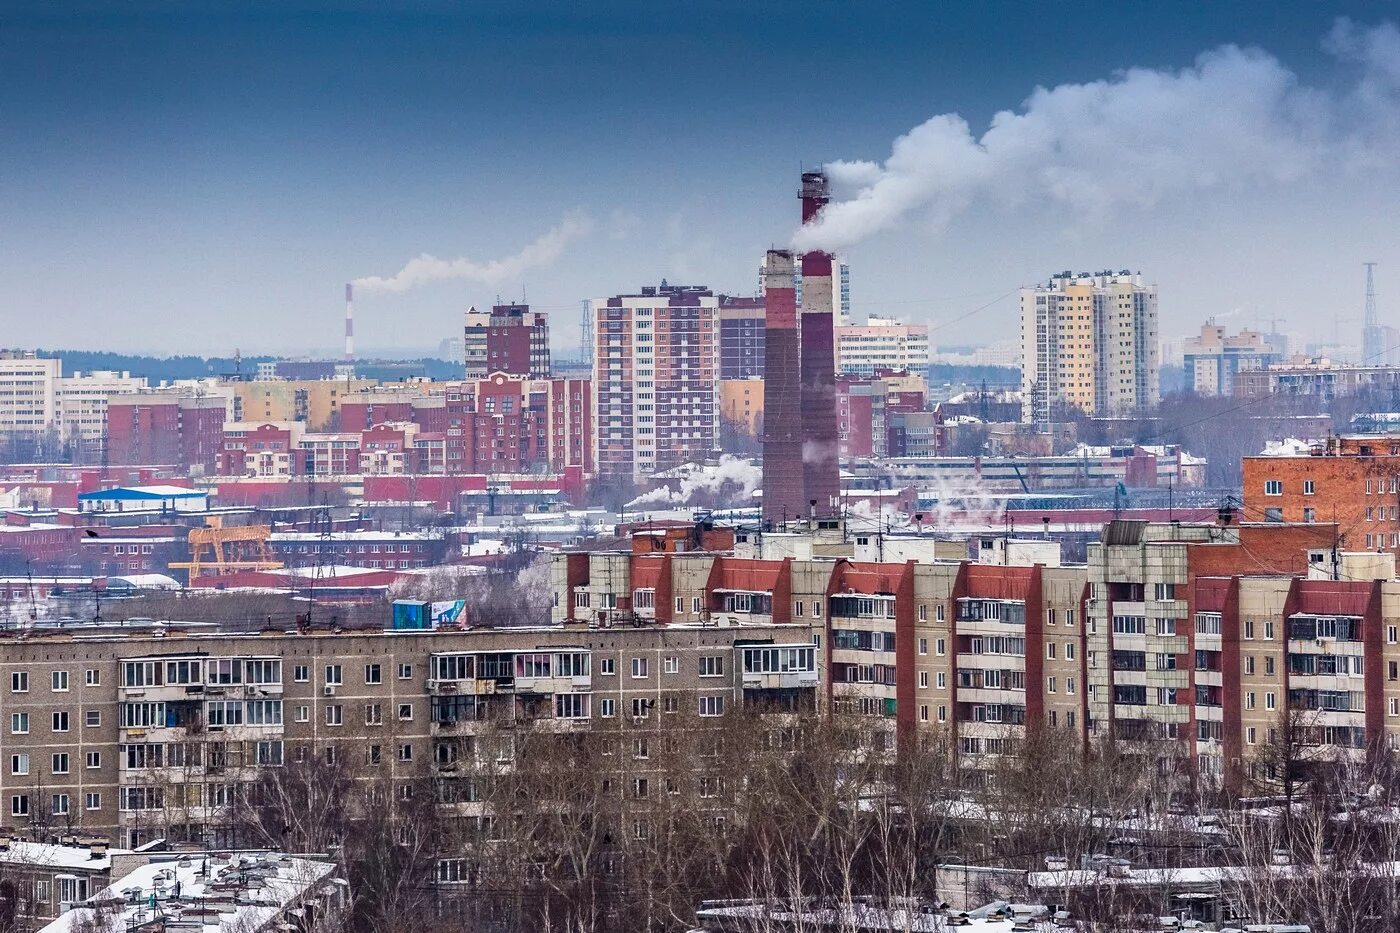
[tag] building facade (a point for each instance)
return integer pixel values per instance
(1089, 343)
(1213, 359)
(655, 379)
(882, 344)
(509, 339)
(740, 338)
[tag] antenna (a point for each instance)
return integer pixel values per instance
(586, 331)
(1372, 336)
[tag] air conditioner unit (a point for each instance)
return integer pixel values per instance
(328, 690)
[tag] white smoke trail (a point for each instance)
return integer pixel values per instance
(1235, 118)
(426, 268)
(733, 479)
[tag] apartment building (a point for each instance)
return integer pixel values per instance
(741, 337)
(1318, 377)
(655, 379)
(169, 427)
(881, 344)
(1351, 482)
(1214, 358)
(509, 339)
(138, 733)
(29, 416)
(1089, 343)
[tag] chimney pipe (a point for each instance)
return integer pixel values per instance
(349, 323)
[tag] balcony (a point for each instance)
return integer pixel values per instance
(780, 681)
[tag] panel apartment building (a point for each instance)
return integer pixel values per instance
(142, 733)
(1089, 343)
(656, 365)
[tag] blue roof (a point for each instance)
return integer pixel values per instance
(144, 493)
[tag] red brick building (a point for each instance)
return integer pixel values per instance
(166, 428)
(1352, 481)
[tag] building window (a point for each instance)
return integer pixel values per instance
(93, 677)
(1309, 487)
(639, 668)
(19, 681)
(712, 666)
(19, 723)
(606, 666)
(1274, 487)
(333, 675)
(94, 759)
(923, 680)
(373, 674)
(673, 665)
(335, 715)
(93, 801)
(19, 763)
(608, 708)
(301, 673)
(60, 721)
(923, 646)
(58, 681)
(405, 672)
(711, 706)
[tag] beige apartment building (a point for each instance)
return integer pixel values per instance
(1089, 343)
(142, 733)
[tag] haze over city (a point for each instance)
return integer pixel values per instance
(719, 467)
(204, 177)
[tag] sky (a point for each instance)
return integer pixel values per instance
(199, 177)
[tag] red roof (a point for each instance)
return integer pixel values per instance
(1334, 597)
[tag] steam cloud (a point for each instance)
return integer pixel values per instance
(733, 479)
(1235, 118)
(425, 268)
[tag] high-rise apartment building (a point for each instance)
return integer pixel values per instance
(881, 344)
(655, 379)
(740, 337)
(1213, 359)
(509, 339)
(1089, 343)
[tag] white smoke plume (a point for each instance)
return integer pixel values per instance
(731, 482)
(1235, 118)
(425, 268)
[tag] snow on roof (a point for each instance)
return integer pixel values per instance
(1288, 447)
(146, 581)
(858, 916)
(242, 891)
(143, 492)
(46, 855)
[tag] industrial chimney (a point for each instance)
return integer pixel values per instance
(349, 323)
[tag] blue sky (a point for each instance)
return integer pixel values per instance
(201, 176)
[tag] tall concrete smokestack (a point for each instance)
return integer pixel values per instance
(820, 454)
(349, 323)
(784, 490)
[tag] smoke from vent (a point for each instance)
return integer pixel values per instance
(1235, 118)
(425, 269)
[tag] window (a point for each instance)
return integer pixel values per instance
(94, 759)
(940, 647)
(19, 681)
(374, 714)
(19, 805)
(639, 667)
(711, 665)
(712, 706)
(942, 714)
(1251, 736)
(606, 666)
(405, 672)
(405, 712)
(939, 614)
(942, 680)
(572, 705)
(1069, 651)
(19, 764)
(60, 808)
(1309, 487)
(607, 707)
(816, 608)
(696, 603)
(923, 612)
(373, 674)
(406, 752)
(19, 723)
(93, 801)
(1249, 701)
(1050, 685)
(333, 675)
(59, 763)
(641, 708)
(923, 646)
(301, 673)
(1050, 651)
(1269, 701)
(923, 680)
(680, 604)
(93, 677)
(923, 713)
(58, 681)
(303, 713)
(1274, 487)
(335, 714)
(673, 665)
(60, 721)
(92, 718)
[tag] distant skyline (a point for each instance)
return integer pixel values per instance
(199, 177)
